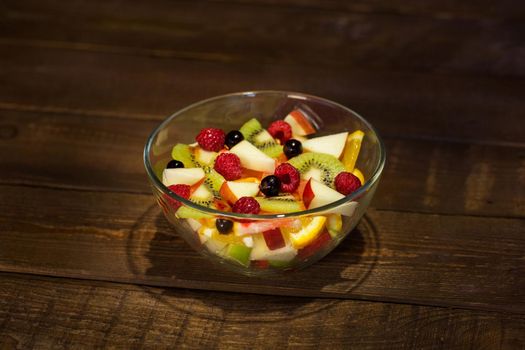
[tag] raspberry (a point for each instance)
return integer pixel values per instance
(281, 130)
(180, 190)
(246, 205)
(229, 166)
(211, 139)
(346, 183)
(289, 177)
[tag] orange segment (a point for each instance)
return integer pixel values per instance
(248, 179)
(309, 231)
(352, 148)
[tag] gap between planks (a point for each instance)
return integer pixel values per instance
(219, 288)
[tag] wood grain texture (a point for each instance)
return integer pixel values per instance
(268, 34)
(398, 104)
(61, 314)
(82, 152)
(512, 9)
(437, 263)
(414, 258)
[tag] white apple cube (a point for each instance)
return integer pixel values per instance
(261, 251)
(232, 190)
(253, 158)
(316, 194)
(331, 144)
(182, 176)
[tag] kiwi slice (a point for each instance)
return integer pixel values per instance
(321, 166)
(213, 180)
(280, 204)
(202, 196)
(190, 213)
(254, 133)
(184, 154)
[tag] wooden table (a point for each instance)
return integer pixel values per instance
(87, 260)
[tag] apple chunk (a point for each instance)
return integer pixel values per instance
(231, 191)
(261, 251)
(299, 123)
(253, 158)
(317, 194)
(182, 176)
(331, 144)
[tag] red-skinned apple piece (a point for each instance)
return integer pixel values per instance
(274, 239)
(317, 194)
(299, 122)
(308, 194)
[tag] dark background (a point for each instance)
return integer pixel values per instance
(87, 260)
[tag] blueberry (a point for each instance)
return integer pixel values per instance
(233, 138)
(174, 164)
(292, 148)
(224, 226)
(270, 185)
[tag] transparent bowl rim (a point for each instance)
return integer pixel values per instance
(158, 183)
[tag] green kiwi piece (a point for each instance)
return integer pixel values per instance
(280, 204)
(213, 181)
(202, 196)
(183, 153)
(327, 166)
(254, 133)
(190, 213)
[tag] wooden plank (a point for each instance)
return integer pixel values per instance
(399, 104)
(416, 258)
(233, 32)
(434, 8)
(58, 313)
(74, 151)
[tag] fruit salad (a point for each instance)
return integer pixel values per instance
(281, 169)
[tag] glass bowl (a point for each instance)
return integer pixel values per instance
(229, 112)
